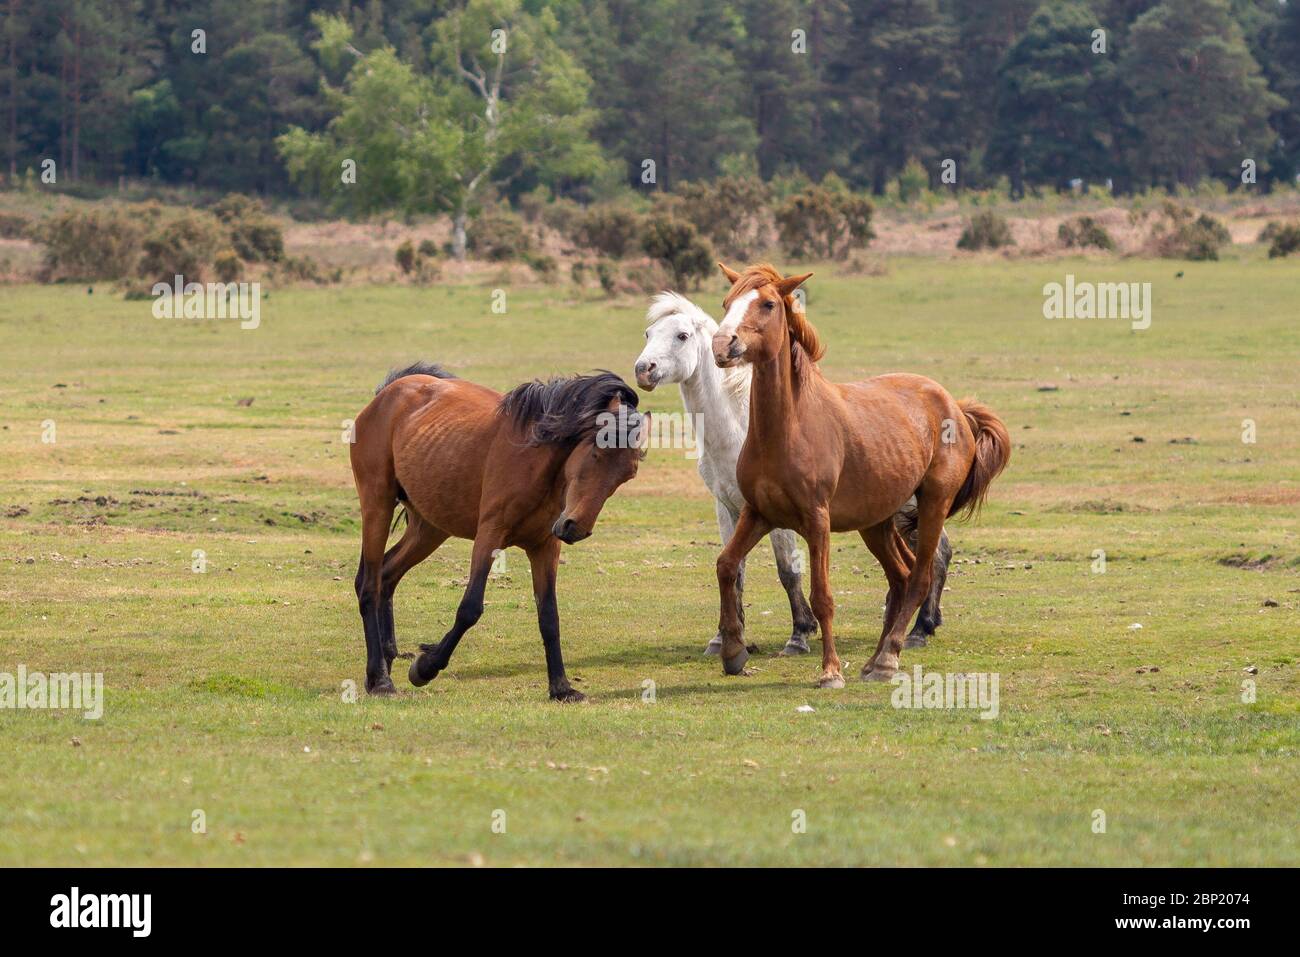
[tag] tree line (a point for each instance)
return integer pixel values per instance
(433, 105)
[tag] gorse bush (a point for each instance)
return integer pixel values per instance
(14, 226)
(499, 235)
(253, 234)
(1285, 240)
(987, 230)
(1083, 232)
(95, 243)
(731, 211)
(1179, 233)
(826, 222)
(406, 256)
(185, 246)
(679, 247)
(229, 267)
(608, 229)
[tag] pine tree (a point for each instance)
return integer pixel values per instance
(1055, 104)
(1203, 102)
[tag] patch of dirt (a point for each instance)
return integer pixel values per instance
(103, 501)
(16, 511)
(1251, 563)
(1102, 507)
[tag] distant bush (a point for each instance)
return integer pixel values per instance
(305, 269)
(913, 181)
(610, 230)
(605, 273)
(731, 211)
(14, 226)
(406, 256)
(681, 249)
(1286, 240)
(253, 234)
(578, 272)
(987, 230)
(182, 246)
(499, 235)
(228, 265)
(820, 221)
(421, 262)
(1179, 233)
(1084, 232)
(561, 215)
(93, 243)
(545, 266)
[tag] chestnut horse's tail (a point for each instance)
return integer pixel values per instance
(992, 452)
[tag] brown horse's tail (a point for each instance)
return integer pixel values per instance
(992, 452)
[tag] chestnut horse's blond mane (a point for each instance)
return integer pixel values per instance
(801, 330)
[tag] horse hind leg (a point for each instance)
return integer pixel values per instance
(883, 542)
(377, 507)
(418, 542)
(789, 568)
(931, 615)
(931, 510)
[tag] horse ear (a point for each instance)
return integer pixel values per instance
(791, 283)
(731, 274)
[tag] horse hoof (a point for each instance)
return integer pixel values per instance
(571, 696)
(736, 665)
(831, 681)
(879, 674)
(382, 688)
(714, 647)
(797, 645)
(416, 678)
(915, 641)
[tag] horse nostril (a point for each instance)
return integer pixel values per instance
(651, 367)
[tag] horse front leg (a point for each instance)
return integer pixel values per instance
(545, 562)
(789, 569)
(726, 526)
(823, 604)
(750, 530)
(434, 658)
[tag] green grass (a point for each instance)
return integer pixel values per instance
(224, 690)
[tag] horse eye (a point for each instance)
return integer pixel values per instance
(682, 336)
(769, 304)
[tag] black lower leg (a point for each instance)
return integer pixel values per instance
(370, 605)
(548, 623)
(434, 658)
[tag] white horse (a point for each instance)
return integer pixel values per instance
(678, 348)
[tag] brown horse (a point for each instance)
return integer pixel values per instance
(824, 457)
(531, 469)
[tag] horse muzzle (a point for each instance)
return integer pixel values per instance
(567, 531)
(647, 375)
(727, 350)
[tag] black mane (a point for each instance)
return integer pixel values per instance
(564, 409)
(415, 368)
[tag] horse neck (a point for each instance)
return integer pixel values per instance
(705, 393)
(772, 401)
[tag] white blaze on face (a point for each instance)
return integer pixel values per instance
(736, 313)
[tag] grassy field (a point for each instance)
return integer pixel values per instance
(224, 690)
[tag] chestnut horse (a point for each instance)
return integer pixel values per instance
(822, 457)
(530, 469)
